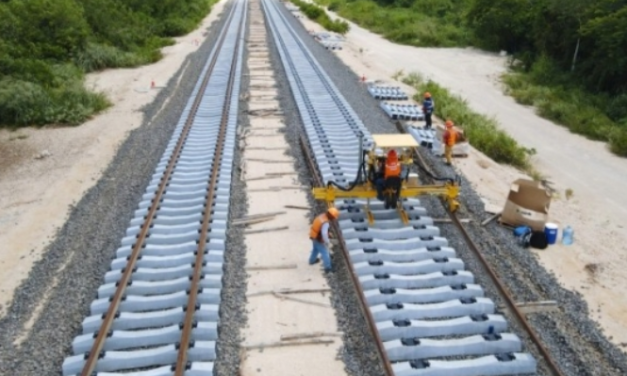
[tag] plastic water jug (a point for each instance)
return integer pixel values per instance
(567, 235)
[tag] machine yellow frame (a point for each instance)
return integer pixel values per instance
(405, 145)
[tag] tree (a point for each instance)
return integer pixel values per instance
(49, 29)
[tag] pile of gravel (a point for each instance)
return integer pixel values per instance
(574, 340)
(83, 248)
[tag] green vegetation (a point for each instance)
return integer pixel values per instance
(425, 23)
(318, 15)
(482, 132)
(569, 55)
(570, 60)
(48, 45)
(569, 105)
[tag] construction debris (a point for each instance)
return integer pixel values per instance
(297, 207)
(287, 297)
(286, 292)
(269, 229)
(262, 346)
(292, 337)
(272, 267)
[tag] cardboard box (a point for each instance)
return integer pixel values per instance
(527, 204)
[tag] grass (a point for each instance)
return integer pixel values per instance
(595, 116)
(24, 103)
(568, 193)
(406, 25)
(482, 132)
(320, 16)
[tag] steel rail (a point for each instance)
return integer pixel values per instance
(102, 334)
(509, 300)
(385, 362)
(318, 181)
(188, 323)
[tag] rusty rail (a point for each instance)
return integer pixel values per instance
(509, 300)
(188, 323)
(317, 181)
(102, 334)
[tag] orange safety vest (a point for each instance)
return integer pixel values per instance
(316, 226)
(392, 169)
(450, 136)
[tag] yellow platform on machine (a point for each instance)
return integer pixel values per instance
(394, 141)
(448, 192)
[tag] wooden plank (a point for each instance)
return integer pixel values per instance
(265, 177)
(297, 207)
(292, 337)
(260, 215)
(287, 297)
(287, 344)
(272, 267)
(281, 173)
(537, 307)
(490, 219)
(448, 220)
(269, 229)
(289, 291)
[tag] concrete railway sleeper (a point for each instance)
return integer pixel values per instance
(157, 312)
(426, 314)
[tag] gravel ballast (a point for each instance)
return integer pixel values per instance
(76, 261)
(575, 341)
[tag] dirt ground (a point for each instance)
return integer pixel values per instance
(597, 210)
(44, 171)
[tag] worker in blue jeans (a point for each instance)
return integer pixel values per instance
(319, 235)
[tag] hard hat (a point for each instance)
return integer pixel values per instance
(427, 95)
(449, 124)
(333, 213)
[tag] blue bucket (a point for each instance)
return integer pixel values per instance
(550, 230)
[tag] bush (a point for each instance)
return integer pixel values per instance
(419, 23)
(581, 112)
(618, 142)
(47, 45)
(25, 103)
(482, 132)
(317, 14)
(97, 57)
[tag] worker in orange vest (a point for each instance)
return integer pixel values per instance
(392, 169)
(319, 235)
(392, 165)
(449, 138)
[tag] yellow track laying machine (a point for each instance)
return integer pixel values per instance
(392, 189)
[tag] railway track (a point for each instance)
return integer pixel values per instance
(157, 313)
(424, 310)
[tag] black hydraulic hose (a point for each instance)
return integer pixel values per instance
(360, 173)
(437, 178)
